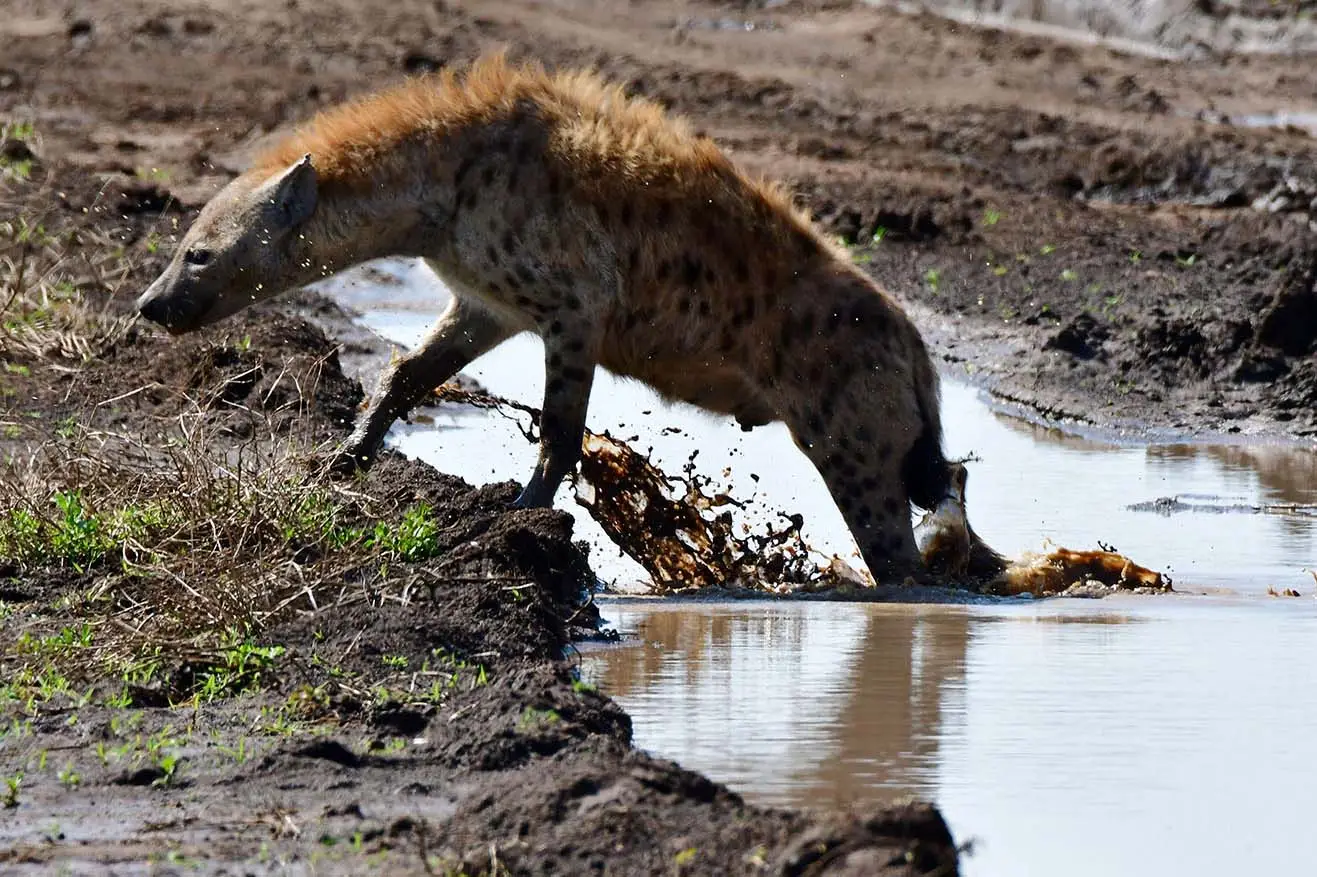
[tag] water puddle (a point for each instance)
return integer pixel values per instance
(1126, 735)
(1129, 736)
(1211, 516)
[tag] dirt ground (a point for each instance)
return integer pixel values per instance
(1084, 232)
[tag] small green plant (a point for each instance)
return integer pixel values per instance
(1187, 261)
(167, 764)
(238, 752)
(1047, 249)
(70, 777)
(991, 217)
(933, 277)
(397, 662)
(878, 234)
(1136, 256)
(1069, 275)
(12, 786)
(583, 687)
(533, 718)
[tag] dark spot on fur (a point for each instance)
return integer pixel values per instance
(884, 451)
(553, 388)
(741, 270)
(633, 261)
(684, 306)
(487, 176)
(554, 360)
(664, 213)
(491, 254)
(525, 274)
(511, 282)
(690, 271)
(788, 333)
(627, 215)
(575, 374)
(807, 323)
(891, 506)
(514, 177)
(460, 174)
(663, 272)
(555, 328)
(509, 241)
(576, 345)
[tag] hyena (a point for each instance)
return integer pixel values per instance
(555, 203)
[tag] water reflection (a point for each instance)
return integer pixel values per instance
(1153, 735)
(888, 730)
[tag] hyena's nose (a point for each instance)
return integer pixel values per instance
(160, 309)
(153, 307)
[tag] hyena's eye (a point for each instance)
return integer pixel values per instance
(196, 257)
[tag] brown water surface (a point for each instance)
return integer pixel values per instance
(1131, 736)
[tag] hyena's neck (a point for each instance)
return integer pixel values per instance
(351, 227)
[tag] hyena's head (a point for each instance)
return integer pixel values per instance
(245, 246)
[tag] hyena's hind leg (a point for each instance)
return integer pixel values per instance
(462, 333)
(857, 440)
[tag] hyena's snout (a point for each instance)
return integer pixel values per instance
(172, 308)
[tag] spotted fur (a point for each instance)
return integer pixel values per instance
(556, 204)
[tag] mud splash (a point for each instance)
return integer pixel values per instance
(678, 527)
(683, 531)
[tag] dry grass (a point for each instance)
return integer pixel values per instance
(48, 272)
(168, 547)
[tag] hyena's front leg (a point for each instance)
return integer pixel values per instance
(569, 364)
(463, 332)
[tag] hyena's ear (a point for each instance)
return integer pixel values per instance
(291, 194)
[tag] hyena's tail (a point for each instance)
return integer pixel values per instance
(926, 473)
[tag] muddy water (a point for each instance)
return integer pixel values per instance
(1085, 738)
(1122, 736)
(1245, 518)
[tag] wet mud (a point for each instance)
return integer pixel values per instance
(1085, 232)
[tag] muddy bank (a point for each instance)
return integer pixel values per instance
(1087, 232)
(214, 658)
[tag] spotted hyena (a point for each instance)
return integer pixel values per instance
(556, 204)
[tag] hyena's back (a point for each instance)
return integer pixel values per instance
(555, 204)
